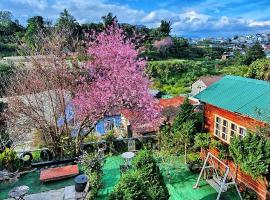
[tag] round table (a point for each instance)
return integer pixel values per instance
(128, 156)
(19, 192)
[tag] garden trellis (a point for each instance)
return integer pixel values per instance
(217, 181)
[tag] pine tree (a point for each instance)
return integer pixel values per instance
(186, 114)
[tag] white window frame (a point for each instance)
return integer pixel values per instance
(224, 131)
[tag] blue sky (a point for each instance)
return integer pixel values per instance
(193, 18)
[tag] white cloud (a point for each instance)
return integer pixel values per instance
(253, 23)
(186, 22)
(39, 4)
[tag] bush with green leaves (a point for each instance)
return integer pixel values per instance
(95, 184)
(251, 153)
(202, 140)
(259, 69)
(90, 162)
(110, 138)
(248, 194)
(223, 149)
(144, 181)
(91, 165)
(9, 160)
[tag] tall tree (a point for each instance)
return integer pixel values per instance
(116, 79)
(253, 53)
(186, 113)
(42, 95)
(67, 22)
(184, 135)
(35, 25)
(5, 18)
(109, 19)
(165, 28)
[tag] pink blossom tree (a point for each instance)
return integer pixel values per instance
(116, 79)
(163, 43)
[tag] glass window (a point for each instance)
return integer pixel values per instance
(225, 129)
(242, 132)
(233, 129)
(109, 125)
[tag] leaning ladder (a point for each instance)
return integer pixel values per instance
(222, 186)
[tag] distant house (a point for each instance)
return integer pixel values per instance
(171, 106)
(202, 83)
(128, 123)
(232, 106)
(109, 123)
(227, 55)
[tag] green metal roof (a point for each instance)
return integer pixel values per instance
(241, 95)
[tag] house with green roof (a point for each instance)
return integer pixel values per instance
(233, 105)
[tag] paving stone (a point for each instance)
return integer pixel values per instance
(69, 193)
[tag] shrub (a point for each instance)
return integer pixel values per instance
(130, 187)
(95, 184)
(91, 166)
(194, 156)
(251, 153)
(222, 148)
(202, 140)
(9, 160)
(36, 156)
(90, 163)
(143, 159)
(143, 182)
(109, 138)
(249, 194)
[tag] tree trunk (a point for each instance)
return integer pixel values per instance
(185, 153)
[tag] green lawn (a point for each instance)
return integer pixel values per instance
(111, 175)
(180, 181)
(32, 180)
(177, 177)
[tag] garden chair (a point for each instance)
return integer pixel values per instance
(131, 146)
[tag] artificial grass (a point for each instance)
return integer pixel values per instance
(180, 181)
(111, 175)
(35, 186)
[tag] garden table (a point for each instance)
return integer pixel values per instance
(19, 192)
(128, 156)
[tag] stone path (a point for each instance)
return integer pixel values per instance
(67, 193)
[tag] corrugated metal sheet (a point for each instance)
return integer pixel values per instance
(242, 95)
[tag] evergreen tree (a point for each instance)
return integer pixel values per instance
(34, 26)
(165, 28)
(108, 19)
(186, 114)
(67, 22)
